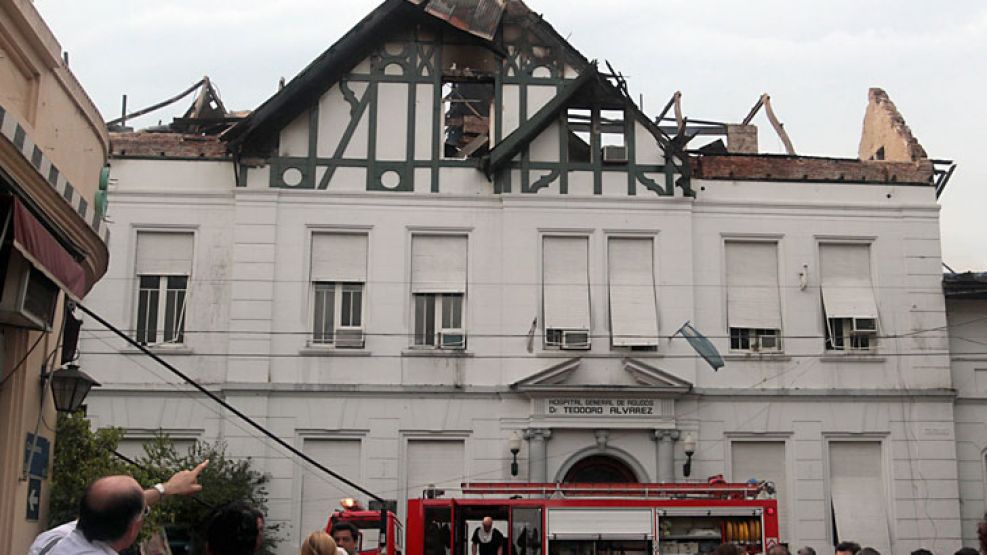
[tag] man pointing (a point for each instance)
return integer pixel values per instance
(111, 512)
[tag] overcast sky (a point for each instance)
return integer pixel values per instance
(816, 64)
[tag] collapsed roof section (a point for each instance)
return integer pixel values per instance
(476, 20)
(590, 88)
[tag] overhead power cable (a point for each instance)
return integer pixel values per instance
(250, 421)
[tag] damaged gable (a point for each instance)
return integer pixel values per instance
(885, 134)
(420, 96)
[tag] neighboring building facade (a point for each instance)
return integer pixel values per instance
(966, 312)
(53, 147)
(428, 242)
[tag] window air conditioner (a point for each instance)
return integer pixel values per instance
(575, 339)
(349, 338)
(452, 339)
(864, 326)
(28, 297)
(767, 343)
(614, 154)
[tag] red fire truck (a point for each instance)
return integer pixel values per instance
(589, 519)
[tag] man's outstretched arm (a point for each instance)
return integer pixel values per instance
(184, 482)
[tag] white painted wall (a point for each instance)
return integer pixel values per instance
(249, 316)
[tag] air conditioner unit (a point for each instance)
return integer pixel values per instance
(613, 154)
(349, 338)
(28, 297)
(452, 339)
(575, 339)
(767, 343)
(865, 326)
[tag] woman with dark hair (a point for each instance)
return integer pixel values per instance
(982, 534)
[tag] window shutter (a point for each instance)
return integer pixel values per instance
(763, 460)
(339, 257)
(164, 253)
(343, 456)
(434, 461)
(752, 285)
(565, 282)
(856, 484)
(846, 284)
(633, 306)
(438, 263)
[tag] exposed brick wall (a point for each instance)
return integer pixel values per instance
(166, 145)
(795, 168)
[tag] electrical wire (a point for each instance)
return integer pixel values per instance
(217, 413)
(246, 419)
(22, 360)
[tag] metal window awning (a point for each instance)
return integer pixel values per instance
(43, 251)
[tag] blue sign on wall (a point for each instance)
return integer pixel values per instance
(33, 498)
(38, 464)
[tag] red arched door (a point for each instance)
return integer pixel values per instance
(600, 469)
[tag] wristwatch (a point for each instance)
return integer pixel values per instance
(161, 490)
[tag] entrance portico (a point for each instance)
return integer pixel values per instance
(588, 404)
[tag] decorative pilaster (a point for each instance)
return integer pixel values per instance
(537, 454)
(665, 454)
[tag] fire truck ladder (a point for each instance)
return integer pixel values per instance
(645, 490)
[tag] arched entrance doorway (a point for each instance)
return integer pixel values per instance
(599, 469)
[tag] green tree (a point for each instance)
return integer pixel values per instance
(81, 456)
(225, 479)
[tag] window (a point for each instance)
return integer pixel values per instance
(338, 274)
(565, 292)
(438, 288)
(343, 456)
(163, 267)
(466, 105)
(446, 332)
(605, 128)
(633, 304)
(753, 303)
(856, 486)
(338, 315)
(161, 307)
(763, 461)
(849, 307)
(580, 131)
(438, 462)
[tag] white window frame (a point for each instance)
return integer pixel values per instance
(339, 288)
(851, 340)
(438, 321)
(755, 340)
(181, 313)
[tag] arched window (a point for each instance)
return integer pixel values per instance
(600, 469)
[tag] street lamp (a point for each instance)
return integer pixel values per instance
(689, 444)
(514, 444)
(69, 387)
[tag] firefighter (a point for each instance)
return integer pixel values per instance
(488, 539)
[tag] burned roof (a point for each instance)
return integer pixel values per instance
(783, 167)
(255, 131)
(167, 146)
(968, 285)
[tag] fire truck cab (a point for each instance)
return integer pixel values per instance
(596, 519)
(373, 540)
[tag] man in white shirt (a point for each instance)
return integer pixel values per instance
(110, 517)
(184, 482)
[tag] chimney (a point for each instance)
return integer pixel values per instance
(741, 139)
